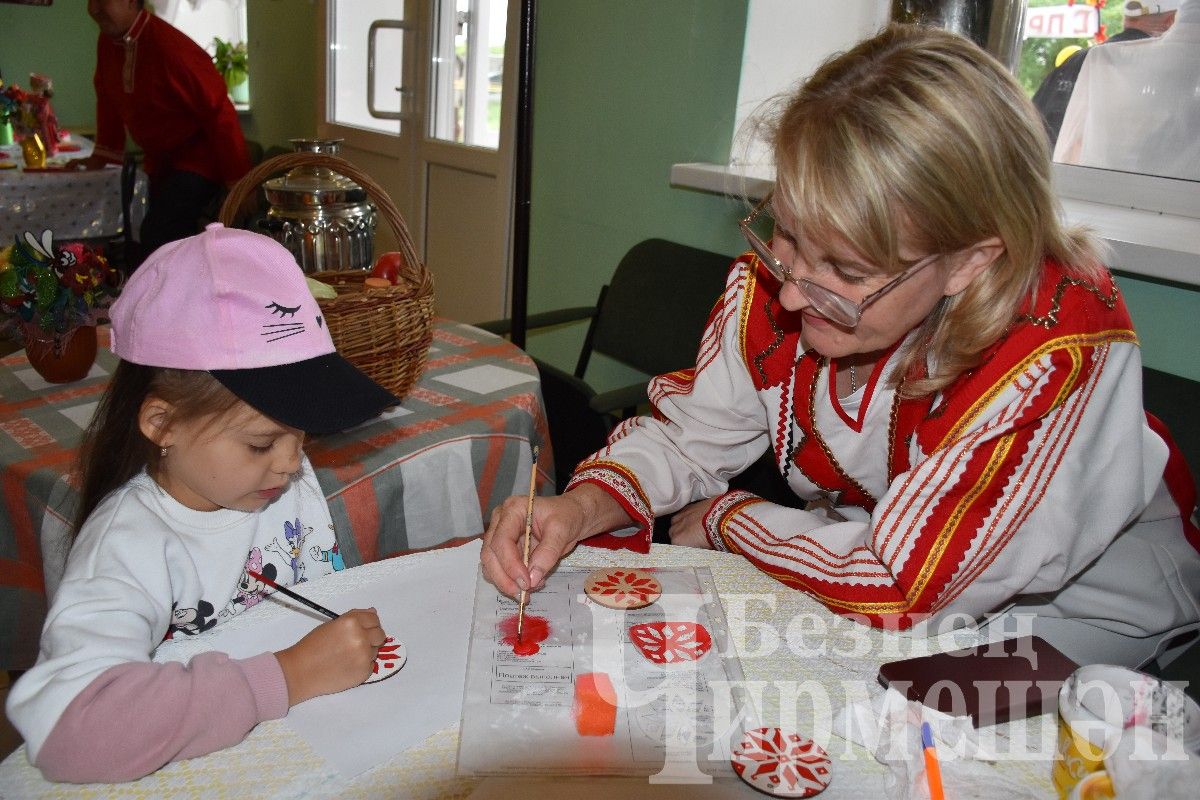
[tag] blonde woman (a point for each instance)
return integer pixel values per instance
(947, 378)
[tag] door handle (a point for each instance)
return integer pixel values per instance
(376, 26)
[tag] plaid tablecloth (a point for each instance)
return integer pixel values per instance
(428, 472)
(75, 205)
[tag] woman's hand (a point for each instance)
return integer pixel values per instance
(334, 656)
(558, 524)
(687, 526)
(91, 162)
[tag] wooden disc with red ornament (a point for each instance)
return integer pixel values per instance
(621, 588)
(670, 643)
(388, 661)
(782, 763)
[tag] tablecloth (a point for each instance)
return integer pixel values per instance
(272, 762)
(426, 472)
(75, 205)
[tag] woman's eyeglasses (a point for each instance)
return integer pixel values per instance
(831, 305)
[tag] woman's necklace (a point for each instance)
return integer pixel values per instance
(853, 383)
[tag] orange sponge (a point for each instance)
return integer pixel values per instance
(595, 705)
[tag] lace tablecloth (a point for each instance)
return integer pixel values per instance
(75, 205)
(272, 762)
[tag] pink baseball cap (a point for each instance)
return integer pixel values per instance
(235, 304)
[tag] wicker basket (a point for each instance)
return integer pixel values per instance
(384, 332)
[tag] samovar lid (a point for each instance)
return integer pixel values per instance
(308, 186)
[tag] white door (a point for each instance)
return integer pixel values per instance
(423, 94)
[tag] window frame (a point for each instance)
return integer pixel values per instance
(1151, 223)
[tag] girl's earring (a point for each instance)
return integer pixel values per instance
(162, 452)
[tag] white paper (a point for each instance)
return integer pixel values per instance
(889, 725)
(429, 610)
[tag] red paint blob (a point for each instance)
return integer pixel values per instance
(525, 648)
(533, 630)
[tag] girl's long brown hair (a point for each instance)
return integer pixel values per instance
(115, 449)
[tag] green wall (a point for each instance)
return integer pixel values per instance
(622, 90)
(285, 66)
(60, 41)
(1165, 316)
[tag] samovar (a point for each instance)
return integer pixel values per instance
(325, 219)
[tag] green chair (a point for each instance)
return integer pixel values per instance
(649, 317)
(1174, 400)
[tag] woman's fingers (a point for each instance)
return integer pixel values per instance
(501, 558)
(555, 525)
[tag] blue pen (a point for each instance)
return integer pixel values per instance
(933, 771)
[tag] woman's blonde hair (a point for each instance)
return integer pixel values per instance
(919, 132)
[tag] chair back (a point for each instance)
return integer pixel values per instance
(1174, 400)
(654, 311)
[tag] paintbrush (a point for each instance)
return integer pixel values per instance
(291, 594)
(528, 527)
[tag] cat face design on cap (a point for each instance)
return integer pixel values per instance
(290, 324)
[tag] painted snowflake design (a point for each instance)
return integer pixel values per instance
(622, 588)
(388, 661)
(780, 763)
(671, 642)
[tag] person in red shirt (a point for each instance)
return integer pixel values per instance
(160, 87)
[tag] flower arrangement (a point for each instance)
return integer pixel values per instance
(12, 103)
(50, 290)
(232, 61)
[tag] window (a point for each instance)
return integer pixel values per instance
(1135, 108)
(208, 20)
(783, 45)
(367, 49)
(1153, 223)
(468, 71)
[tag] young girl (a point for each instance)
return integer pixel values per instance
(193, 471)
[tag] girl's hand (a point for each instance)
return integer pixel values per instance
(687, 526)
(558, 524)
(334, 656)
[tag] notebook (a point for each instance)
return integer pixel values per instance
(994, 683)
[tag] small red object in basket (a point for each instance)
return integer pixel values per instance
(389, 266)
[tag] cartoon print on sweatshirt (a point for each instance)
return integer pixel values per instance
(190, 620)
(250, 590)
(333, 555)
(294, 550)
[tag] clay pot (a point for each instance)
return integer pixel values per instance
(61, 357)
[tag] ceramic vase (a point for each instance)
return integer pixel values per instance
(240, 94)
(61, 357)
(6, 132)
